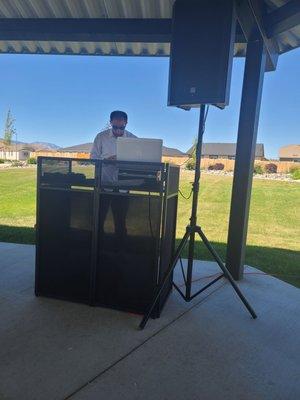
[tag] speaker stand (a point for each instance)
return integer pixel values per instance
(191, 230)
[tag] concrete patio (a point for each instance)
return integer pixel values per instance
(209, 348)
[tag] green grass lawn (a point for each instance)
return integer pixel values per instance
(274, 222)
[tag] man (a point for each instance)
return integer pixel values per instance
(105, 143)
(105, 148)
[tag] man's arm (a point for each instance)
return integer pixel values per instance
(96, 152)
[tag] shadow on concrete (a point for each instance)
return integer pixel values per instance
(282, 263)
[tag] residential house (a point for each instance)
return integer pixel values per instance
(226, 151)
(290, 152)
(17, 152)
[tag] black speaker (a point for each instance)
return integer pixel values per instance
(202, 45)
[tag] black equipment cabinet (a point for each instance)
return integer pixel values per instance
(105, 231)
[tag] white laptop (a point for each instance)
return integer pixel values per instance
(136, 149)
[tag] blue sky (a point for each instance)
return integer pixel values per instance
(66, 100)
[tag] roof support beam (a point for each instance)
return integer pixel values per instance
(283, 18)
(245, 156)
(91, 30)
(86, 29)
(250, 15)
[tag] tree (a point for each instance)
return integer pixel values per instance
(9, 129)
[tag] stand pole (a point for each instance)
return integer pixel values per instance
(193, 218)
(191, 230)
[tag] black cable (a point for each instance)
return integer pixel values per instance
(185, 197)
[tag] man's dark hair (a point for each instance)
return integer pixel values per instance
(118, 114)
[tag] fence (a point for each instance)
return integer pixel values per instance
(282, 166)
(45, 153)
(34, 154)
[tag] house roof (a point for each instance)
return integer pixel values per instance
(290, 151)
(225, 149)
(80, 148)
(87, 147)
(14, 147)
(172, 152)
(284, 30)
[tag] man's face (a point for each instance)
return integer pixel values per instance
(118, 126)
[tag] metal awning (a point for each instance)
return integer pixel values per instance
(145, 29)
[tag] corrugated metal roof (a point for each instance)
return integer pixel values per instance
(85, 48)
(108, 9)
(225, 149)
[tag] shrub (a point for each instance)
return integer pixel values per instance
(258, 169)
(191, 164)
(2, 161)
(216, 167)
(271, 168)
(293, 169)
(16, 163)
(219, 166)
(296, 173)
(31, 160)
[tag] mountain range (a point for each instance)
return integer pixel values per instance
(35, 145)
(44, 145)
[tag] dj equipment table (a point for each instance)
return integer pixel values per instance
(105, 231)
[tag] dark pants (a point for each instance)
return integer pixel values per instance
(119, 207)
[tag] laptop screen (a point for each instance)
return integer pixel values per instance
(136, 149)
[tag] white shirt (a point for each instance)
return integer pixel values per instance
(105, 146)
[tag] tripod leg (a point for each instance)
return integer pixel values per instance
(207, 286)
(189, 275)
(226, 272)
(164, 281)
